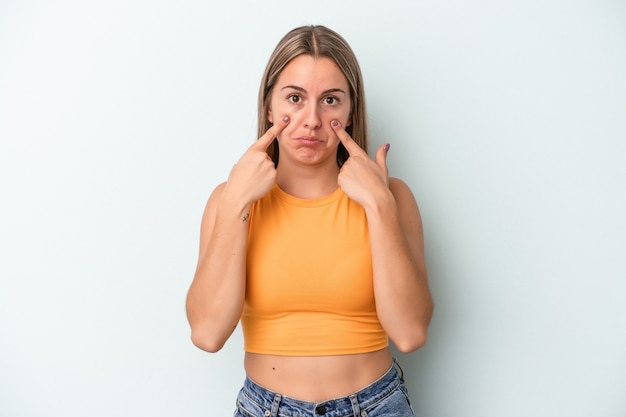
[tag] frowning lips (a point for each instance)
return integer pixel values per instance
(309, 140)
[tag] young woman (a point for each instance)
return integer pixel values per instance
(313, 247)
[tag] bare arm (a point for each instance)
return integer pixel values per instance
(403, 300)
(215, 298)
(216, 295)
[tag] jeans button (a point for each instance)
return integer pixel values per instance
(320, 409)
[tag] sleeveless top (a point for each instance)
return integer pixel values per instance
(309, 289)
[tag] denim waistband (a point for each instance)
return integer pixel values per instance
(277, 404)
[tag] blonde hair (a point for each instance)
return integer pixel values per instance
(316, 41)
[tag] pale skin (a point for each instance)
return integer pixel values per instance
(309, 109)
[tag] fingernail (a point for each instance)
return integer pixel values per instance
(386, 147)
(285, 119)
(335, 123)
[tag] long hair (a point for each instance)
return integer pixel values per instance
(316, 41)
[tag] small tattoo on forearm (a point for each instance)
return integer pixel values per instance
(245, 217)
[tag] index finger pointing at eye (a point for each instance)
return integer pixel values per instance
(351, 146)
(268, 137)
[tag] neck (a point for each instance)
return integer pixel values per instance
(306, 181)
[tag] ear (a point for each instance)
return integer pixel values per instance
(270, 118)
(349, 122)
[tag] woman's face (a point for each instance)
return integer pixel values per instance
(312, 92)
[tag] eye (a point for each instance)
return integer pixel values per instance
(294, 98)
(330, 100)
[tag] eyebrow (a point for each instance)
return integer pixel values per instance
(331, 90)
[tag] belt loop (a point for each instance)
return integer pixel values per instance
(399, 368)
(356, 410)
(275, 403)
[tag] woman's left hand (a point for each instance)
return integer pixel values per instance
(364, 180)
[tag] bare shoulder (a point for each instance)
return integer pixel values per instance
(215, 197)
(209, 215)
(402, 193)
(408, 210)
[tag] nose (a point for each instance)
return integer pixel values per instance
(312, 117)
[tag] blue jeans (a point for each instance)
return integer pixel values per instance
(386, 397)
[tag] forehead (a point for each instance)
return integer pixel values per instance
(305, 70)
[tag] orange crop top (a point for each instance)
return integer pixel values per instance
(309, 285)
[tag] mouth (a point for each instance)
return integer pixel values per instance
(308, 140)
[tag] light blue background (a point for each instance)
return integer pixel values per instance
(506, 118)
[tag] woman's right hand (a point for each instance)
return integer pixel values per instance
(254, 174)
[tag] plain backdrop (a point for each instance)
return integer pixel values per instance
(119, 117)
